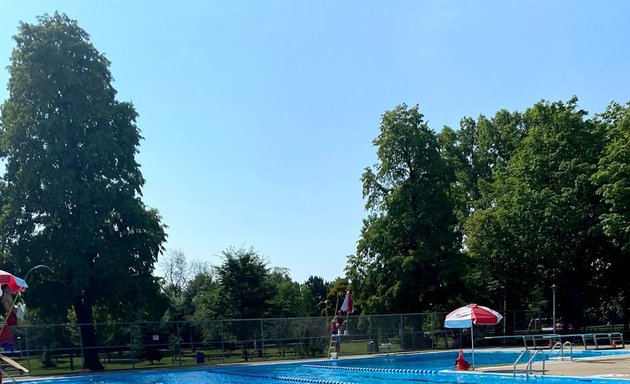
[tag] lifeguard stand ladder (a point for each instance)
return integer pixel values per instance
(332, 350)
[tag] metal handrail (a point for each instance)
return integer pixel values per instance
(567, 343)
(528, 367)
(560, 347)
(517, 360)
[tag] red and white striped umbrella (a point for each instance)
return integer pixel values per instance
(465, 317)
(15, 283)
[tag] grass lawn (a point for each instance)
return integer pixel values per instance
(64, 364)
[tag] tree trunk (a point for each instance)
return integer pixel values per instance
(83, 310)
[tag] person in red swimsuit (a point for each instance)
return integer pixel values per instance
(333, 327)
(6, 335)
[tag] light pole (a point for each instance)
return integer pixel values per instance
(553, 306)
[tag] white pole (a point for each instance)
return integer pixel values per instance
(472, 344)
(553, 290)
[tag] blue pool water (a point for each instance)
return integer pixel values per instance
(404, 369)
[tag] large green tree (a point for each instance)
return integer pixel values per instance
(408, 254)
(543, 216)
(72, 187)
(289, 299)
(243, 291)
(314, 292)
(477, 152)
(182, 280)
(613, 175)
(613, 182)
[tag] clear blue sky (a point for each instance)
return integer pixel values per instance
(259, 116)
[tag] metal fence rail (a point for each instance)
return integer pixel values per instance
(58, 348)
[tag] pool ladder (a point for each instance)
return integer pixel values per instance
(530, 362)
(528, 367)
(559, 346)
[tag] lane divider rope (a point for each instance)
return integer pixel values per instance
(284, 378)
(392, 370)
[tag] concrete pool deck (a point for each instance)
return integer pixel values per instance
(613, 367)
(617, 367)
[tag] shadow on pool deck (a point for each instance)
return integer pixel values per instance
(614, 366)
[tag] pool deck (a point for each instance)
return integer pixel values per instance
(614, 367)
(617, 367)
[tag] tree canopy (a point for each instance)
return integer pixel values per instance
(71, 192)
(407, 256)
(544, 191)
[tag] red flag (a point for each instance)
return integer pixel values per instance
(347, 303)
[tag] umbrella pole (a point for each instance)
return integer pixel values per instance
(472, 344)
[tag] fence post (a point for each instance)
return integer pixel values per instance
(178, 344)
(401, 333)
(505, 314)
(262, 339)
(27, 349)
(514, 322)
(222, 343)
(432, 326)
(81, 348)
(131, 346)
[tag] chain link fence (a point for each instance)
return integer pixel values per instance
(55, 349)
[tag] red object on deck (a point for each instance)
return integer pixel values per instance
(461, 363)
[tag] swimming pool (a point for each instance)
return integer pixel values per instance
(434, 367)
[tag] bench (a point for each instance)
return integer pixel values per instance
(533, 341)
(597, 340)
(611, 340)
